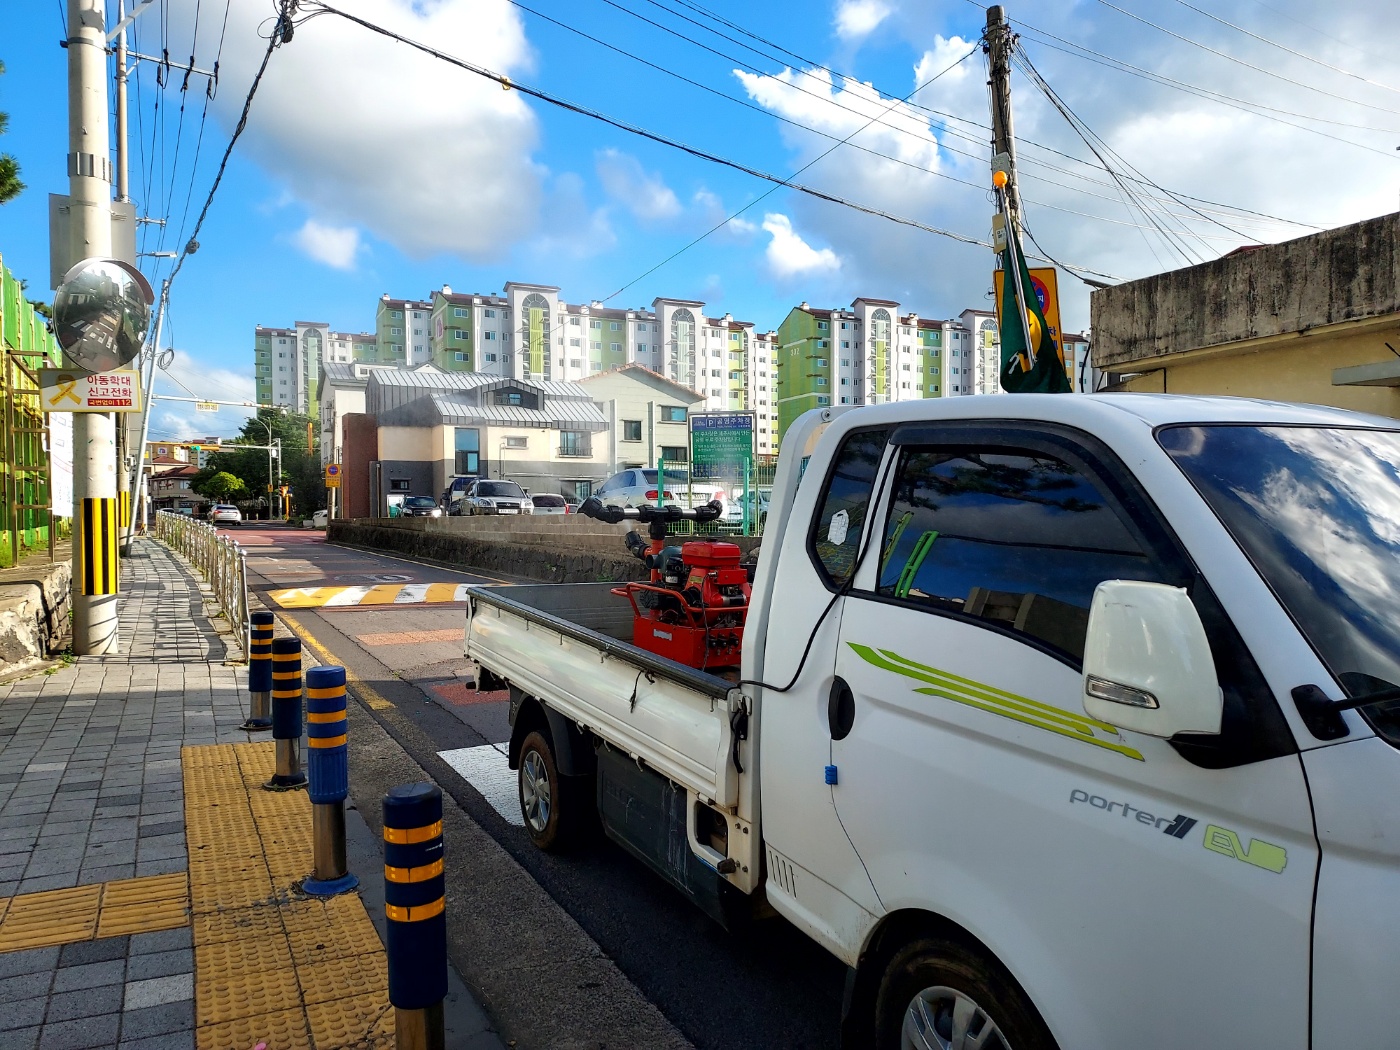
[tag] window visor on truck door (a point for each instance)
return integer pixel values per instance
(1317, 511)
(1012, 527)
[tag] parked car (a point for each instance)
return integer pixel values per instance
(637, 486)
(484, 496)
(320, 519)
(225, 514)
(456, 489)
(419, 507)
(549, 503)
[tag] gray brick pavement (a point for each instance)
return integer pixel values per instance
(91, 791)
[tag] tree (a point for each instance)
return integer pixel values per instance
(10, 186)
(221, 486)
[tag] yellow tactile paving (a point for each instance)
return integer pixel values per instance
(272, 965)
(104, 909)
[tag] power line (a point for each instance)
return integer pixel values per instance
(774, 188)
(1285, 47)
(1247, 65)
(1252, 108)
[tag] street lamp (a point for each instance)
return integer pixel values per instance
(272, 487)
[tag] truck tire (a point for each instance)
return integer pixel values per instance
(554, 813)
(938, 993)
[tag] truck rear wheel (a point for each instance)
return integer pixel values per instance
(551, 804)
(938, 993)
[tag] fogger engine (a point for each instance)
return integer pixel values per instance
(692, 610)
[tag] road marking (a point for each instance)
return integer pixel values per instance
(366, 692)
(487, 769)
(451, 634)
(379, 594)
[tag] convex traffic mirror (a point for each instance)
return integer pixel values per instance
(101, 313)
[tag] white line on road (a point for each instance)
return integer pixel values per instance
(412, 592)
(487, 769)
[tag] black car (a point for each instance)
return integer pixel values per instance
(419, 507)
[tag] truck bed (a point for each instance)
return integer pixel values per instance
(568, 645)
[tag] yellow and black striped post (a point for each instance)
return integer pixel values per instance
(259, 672)
(98, 570)
(414, 903)
(286, 714)
(327, 780)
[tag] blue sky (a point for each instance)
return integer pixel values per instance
(369, 168)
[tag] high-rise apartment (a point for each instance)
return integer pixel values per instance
(287, 361)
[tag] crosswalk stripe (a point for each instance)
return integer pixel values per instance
(441, 592)
(412, 592)
(487, 769)
(343, 596)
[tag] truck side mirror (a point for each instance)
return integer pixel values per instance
(1147, 662)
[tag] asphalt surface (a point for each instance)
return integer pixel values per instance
(767, 987)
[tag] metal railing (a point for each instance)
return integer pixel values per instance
(219, 558)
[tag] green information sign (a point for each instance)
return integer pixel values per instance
(721, 445)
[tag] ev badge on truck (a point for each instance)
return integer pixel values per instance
(1220, 840)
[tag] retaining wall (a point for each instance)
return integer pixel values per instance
(34, 605)
(561, 549)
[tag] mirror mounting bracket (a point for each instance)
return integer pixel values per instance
(1321, 714)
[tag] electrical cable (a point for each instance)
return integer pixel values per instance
(774, 188)
(1250, 65)
(942, 113)
(1043, 38)
(1285, 47)
(275, 37)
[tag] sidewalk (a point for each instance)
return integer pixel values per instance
(147, 882)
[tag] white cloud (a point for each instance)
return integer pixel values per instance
(790, 256)
(362, 130)
(188, 377)
(643, 193)
(858, 18)
(336, 246)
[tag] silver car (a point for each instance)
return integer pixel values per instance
(484, 496)
(225, 514)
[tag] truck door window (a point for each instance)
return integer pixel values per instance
(1014, 538)
(844, 505)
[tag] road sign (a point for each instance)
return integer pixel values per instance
(721, 444)
(64, 390)
(206, 406)
(332, 475)
(1047, 291)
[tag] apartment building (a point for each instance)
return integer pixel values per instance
(287, 361)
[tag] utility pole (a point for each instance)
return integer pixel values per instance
(999, 43)
(94, 433)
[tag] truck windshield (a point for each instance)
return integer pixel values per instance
(1317, 510)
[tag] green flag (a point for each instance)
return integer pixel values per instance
(1039, 370)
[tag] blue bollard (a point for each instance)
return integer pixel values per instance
(286, 714)
(260, 673)
(328, 781)
(414, 901)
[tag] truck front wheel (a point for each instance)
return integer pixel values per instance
(938, 993)
(553, 812)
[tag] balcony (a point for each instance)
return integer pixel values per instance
(576, 451)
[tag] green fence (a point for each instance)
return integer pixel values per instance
(24, 434)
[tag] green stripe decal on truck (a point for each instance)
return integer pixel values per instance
(998, 701)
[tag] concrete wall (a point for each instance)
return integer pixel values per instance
(359, 448)
(34, 601)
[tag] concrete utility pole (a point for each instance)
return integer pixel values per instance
(999, 41)
(90, 201)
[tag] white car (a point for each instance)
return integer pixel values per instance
(549, 503)
(320, 519)
(485, 496)
(637, 486)
(225, 514)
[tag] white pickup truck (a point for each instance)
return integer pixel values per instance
(1064, 721)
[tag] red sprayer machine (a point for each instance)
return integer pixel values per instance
(692, 610)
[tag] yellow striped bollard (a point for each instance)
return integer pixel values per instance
(259, 673)
(286, 714)
(328, 780)
(414, 901)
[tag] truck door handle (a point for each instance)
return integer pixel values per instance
(840, 709)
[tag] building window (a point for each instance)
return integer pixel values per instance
(467, 448)
(516, 441)
(675, 454)
(575, 443)
(641, 348)
(672, 414)
(614, 326)
(822, 326)
(574, 342)
(488, 313)
(596, 344)
(458, 311)
(491, 357)
(631, 430)
(488, 336)
(595, 324)
(460, 356)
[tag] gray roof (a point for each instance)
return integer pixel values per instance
(446, 410)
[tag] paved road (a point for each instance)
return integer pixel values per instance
(384, 619)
